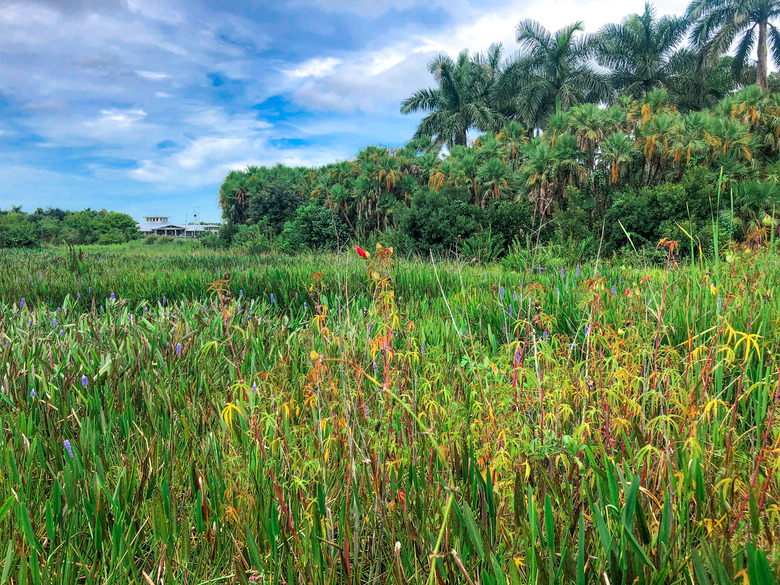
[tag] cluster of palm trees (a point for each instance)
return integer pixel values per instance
(555, 71)
(577, 125)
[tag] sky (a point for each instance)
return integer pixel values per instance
(143, 106)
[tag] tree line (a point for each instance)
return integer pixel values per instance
(58, 226)
(594, 142)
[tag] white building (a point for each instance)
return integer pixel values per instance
(159, 225)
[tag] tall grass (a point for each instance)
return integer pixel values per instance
(333, 419)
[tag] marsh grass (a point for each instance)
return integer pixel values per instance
(334, 419)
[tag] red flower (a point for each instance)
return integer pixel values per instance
(628, 292)
(361, 252)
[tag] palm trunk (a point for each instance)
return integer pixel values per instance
(761, 73)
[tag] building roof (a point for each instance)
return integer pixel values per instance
(151, 226)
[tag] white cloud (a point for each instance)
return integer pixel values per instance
(152, 75)
(119, 119)
(315, 68)
(163, 94)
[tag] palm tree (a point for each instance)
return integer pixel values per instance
(720, 22)
(233, 193)
(639, 50)
(458, 104)
(553, 73)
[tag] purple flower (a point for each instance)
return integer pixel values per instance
(563, 272)
(32, 394)
(720, 304)
(178, 348)
(89, 288)
(55, 322)
(540, 268)
(41, 276)
(168, 344)
(422, 350)
(21, 305)
(620, 280)
(84, 381)
(613, 290)
(365, 410)
(68, 448)
(304, 304)
(62, 332)
(578, 269)
(78, 295)
(165, 301)
(239, 308)
(544, 334)
(29, 321)
(113, 296)
(511, 313)
(254, 388)
(59, 309)
(557, 292)
(586, 329)
(241, 293)
(273, 299)
(484, 276)
(501, 292)
(517, 355)
(514, 295)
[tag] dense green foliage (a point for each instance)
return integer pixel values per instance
(333, 419)
(578, 133)
(614, 178)
(57, 226)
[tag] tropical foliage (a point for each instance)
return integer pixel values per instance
(589, 161)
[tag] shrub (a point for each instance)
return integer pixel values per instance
(315, 227)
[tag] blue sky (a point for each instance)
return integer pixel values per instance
(143, 106)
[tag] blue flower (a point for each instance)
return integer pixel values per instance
(165, 301)
(62, 332)
(578, 269)
(720, 304)
(613, 290)
(540, 268)
(84, 381)
(241, 293)
(563, 272)
(21, 305)
(32, 394)
(511, 313)
(55, 322)
(517, 355)
(113, 296)
(514, 295)
(178, 348)
(501, 292)
(273, 299)
(68, 448)
(254, 388)
(422, 350)
(544, 334)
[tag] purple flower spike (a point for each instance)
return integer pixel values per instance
(578, 269)
(501, 292)
(178, 348)
(165, 301)
(273, 299)
(511, 312)
(563, 272)
(613, 290)
(113, 297)
(517, 355)
(68, 448)
(21, 304)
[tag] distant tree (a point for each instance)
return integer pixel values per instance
(639, 51)
(554, 72)
(459, 103)
(719, 23)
